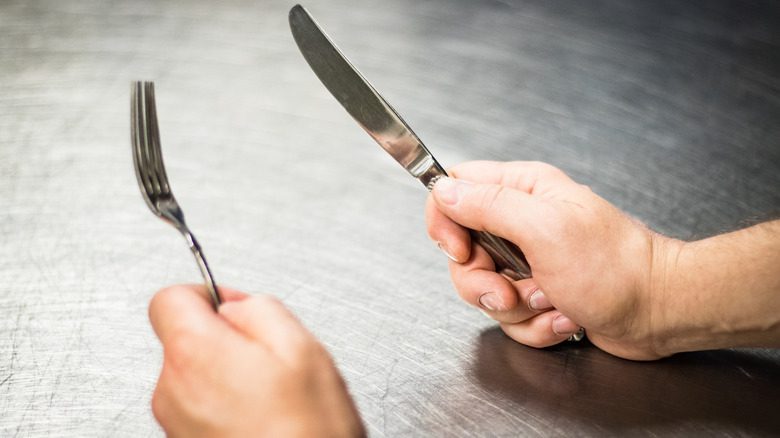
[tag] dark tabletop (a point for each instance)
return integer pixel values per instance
(668, 109)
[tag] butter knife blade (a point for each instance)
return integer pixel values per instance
(378, 118)
(372, 112)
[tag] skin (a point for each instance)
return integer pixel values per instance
(251, 369)
(639, 295)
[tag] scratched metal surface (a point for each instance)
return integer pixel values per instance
(668, 109)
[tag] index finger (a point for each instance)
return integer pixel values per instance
(526, 176)
(184, 309)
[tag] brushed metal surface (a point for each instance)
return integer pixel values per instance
(668, 109)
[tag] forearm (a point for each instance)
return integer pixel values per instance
(721, 292)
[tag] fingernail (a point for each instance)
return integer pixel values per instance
(446, 252)
(539, 301)
(491, 301)
(446, 189)
(563, 326)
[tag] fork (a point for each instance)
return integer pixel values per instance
(152, 179)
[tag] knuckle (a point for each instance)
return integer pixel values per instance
(459, 280)
(543, 167)
(167, 298)
(182, 348)
(431, 229)
(260, 304)
(432, 225)
(307, 353)
(528, 336)
(537, 341)
(467, 292)
(160, 300)
(547, 170)
(456, 169)
(467, 295)
(267, 300)
(160, 406)
(491, 196)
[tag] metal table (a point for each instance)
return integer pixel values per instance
(668, 109)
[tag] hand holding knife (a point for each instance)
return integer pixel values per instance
(386, 127)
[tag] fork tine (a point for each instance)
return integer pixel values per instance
(153, 186)
(159, 177)
(139, 140)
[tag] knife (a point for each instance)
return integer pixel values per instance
(374, 114)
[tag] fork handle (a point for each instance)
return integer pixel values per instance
(508, 257)
(208, 277)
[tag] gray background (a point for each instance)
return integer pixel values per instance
(668, 109)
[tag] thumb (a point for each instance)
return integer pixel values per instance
(494, 208)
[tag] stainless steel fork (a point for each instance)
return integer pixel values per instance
(152, 179)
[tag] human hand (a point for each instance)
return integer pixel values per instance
(592, 265)
(251, 369)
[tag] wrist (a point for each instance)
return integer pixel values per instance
(719, 292)
(663, 295)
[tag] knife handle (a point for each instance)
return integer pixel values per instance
(509, 259)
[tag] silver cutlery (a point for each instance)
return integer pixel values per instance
(152, 179)
(374, 114)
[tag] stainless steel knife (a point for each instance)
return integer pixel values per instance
(385, 126)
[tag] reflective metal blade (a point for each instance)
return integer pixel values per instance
(359, 98)
(382, 123)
